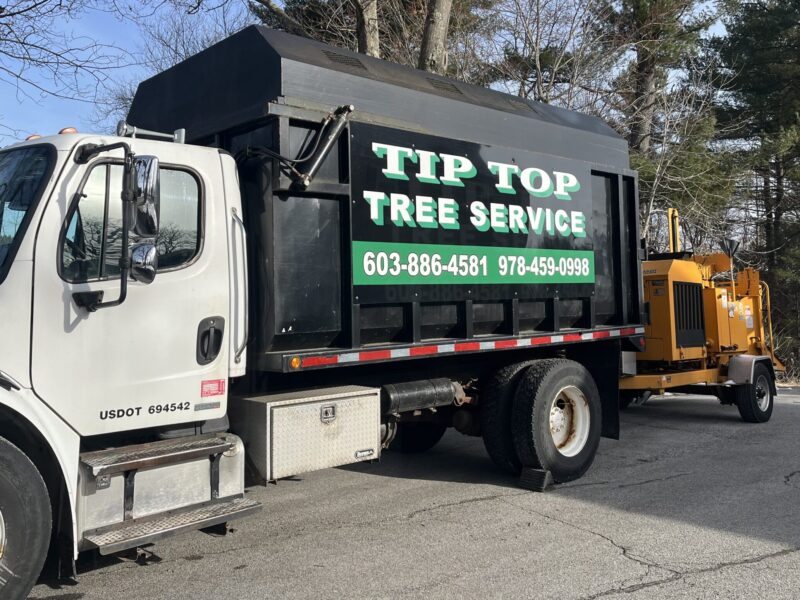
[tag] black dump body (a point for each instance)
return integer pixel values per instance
(445, 211)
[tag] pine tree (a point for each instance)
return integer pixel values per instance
(761, 51)
(657, 34)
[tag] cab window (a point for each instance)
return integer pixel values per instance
(92, 243)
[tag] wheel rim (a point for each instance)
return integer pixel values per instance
(569, 420)
(2, 536)
(763, 394)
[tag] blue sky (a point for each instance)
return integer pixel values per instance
(45, 115)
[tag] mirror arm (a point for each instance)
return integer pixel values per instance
(124, 263)
(84, 154)
(87, 151)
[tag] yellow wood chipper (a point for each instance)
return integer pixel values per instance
(709, 331)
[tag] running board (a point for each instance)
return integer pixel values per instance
(138, 533)
(141, 456)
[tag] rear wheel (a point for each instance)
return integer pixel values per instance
(755, 401)
(413, 438)
(556, 418)
(25, 522)
(496, 406)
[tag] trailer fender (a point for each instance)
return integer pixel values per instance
(48, 441)
(740, 369)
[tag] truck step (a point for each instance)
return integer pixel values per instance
(144, 532)
(118, 460)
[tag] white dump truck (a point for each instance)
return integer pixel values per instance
(324, 255)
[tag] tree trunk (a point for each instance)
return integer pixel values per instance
(777, 222)
(769, 215)
(433, 54)
(369, 41)
(644, 102)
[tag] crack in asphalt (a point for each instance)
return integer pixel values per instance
(666, 478)
(788, 478)
(624, 485)
(666, 428)
(572, 486)
(415, 513)
(625, 551)
(648, 459)
(628, 554)
(679, 575)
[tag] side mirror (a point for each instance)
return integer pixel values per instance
(144, 262)
(146, 197)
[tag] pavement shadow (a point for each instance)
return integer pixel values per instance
(456, 458)
(689, 460)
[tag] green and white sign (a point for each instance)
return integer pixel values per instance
(433, 212)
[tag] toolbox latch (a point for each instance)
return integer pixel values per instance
(327, 414)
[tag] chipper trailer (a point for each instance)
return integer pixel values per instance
(329, 255)
(709, 331)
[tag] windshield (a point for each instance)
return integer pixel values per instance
(23, 173)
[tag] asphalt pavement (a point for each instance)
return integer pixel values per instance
(690, 503)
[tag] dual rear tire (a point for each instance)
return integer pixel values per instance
(544, 414)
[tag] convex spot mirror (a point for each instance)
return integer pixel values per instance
(146, 196)
(144, 262)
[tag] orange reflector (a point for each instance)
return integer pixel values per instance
(295, 362)
(32, 137)
(67, 130)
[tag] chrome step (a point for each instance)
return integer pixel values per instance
(129, 458)
(138, 533)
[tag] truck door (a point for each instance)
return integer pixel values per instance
(161, 357)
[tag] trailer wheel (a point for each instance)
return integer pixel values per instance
(25, 522)
(755, 401)
(556, 418)
(495, 413)
(413, 438)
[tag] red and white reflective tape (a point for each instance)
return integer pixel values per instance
(363, 356)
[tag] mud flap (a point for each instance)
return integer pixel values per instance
(602, 360)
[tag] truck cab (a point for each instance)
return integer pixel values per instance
(72, 252)
(93, 350)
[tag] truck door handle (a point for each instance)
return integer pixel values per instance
(210, 334)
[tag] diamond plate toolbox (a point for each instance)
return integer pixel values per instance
(297, 432)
